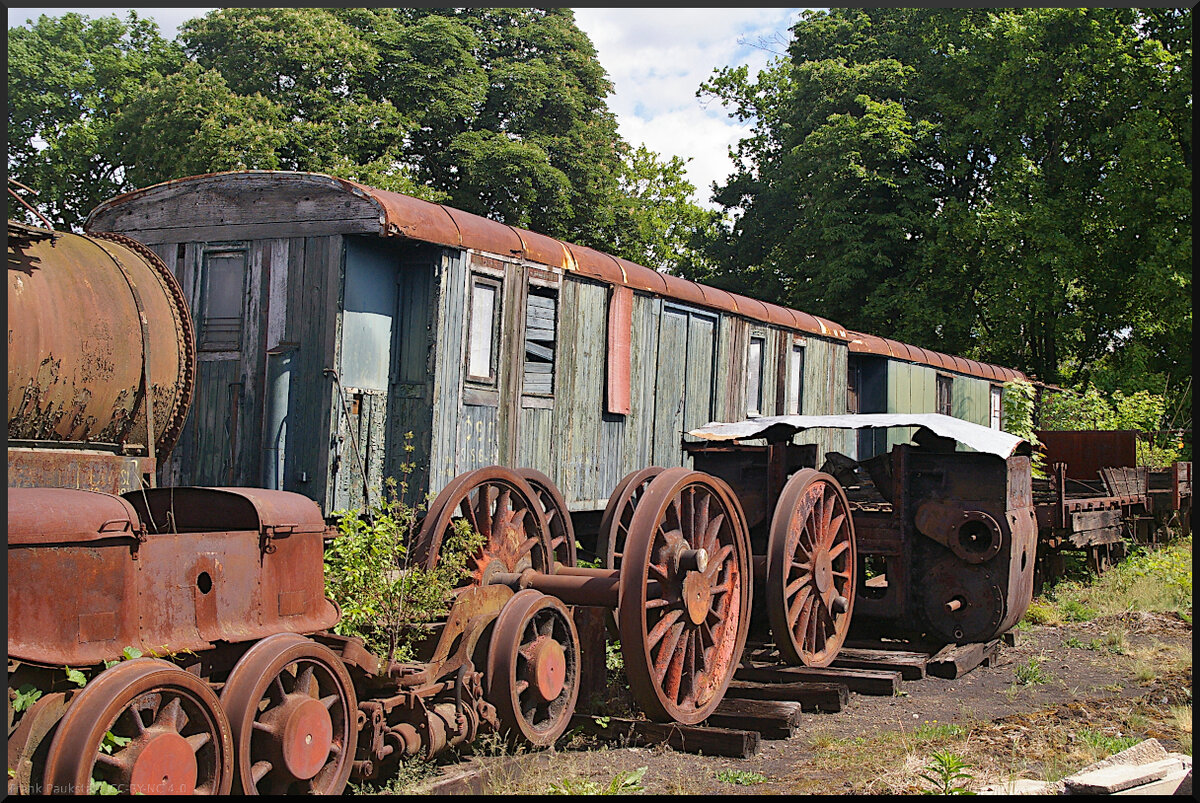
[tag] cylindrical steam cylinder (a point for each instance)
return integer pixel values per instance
(90, 319)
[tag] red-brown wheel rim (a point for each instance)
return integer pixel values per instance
(144, 726)
(292, 709)
(685, 595)
(811, 563)
(614, 524)
(496, 503)
(558, 517)
(533, 668)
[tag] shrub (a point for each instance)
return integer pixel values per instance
(384, 599)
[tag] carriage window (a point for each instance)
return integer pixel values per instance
(796, 380)
(945, 396)
(754, 373)
(223, 293)
(996, 407)
(482, 330)
(541, 309)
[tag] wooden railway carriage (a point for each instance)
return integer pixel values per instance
(338, 325)
(887, 376)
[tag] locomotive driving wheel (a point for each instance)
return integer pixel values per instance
(292, 710)
(685, 595)
(498, 505)
(811, 561)
(533, 668)
(558, 518)
(614, 524)
(144, 726)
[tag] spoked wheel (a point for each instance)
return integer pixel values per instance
(558, 518)
(292, 709)
(533, 668)
(146, 727)
(685, 595)
(811, 560)
(614, 525)
(496, 503)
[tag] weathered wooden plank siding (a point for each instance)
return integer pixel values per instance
(639, 424)
(580, 401)
(452, 281)
(824, 393)
(209, 211)
(699, 391)
(412, 392)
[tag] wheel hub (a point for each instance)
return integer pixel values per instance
(306, 737)
(697, 597)
(165, 765)
(823, 571)
(549, 669)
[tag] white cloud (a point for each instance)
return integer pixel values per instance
(656, 58)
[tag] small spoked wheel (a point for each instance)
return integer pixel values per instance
(558, 518)
(684, 604)
(292, 709)
(533, 668)
(811, 561)
(499, 505)
(614, 524)
(142, 727)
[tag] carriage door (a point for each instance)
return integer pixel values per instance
(683, 394)
(209, 450)
(369, 308)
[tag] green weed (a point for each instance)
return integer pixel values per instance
(944, 772)
(1031, 672)
(937, 731)
(625, 782)
(1104, 745)
(740, 777)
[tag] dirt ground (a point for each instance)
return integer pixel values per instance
(1095, 687)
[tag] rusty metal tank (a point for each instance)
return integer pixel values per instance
(93, 321)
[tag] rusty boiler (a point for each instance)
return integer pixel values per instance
(101, 360)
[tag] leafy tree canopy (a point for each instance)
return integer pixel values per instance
(501, 112)
(1008, 184)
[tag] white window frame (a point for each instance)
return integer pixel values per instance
(493, 329)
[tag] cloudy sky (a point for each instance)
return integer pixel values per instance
(656, 59)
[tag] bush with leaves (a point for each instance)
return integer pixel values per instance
(384, 598)
(1143, 412)
(1017, 400)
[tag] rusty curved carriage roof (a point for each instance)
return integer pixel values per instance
(861, 343)
(405, 216)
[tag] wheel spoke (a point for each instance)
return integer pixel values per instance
(171, 714)
(838, 549)
(304, 681)
(136, 715)
(835, 527)
(716, 561)
(713, 531)
(664, 624)
(795, 585)
(198, 740)
(667, 651)
(259, 771)
(796, 608)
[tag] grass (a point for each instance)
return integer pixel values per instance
(740, 777)
(1031, 672)
(1156, 581)
(1104, 745)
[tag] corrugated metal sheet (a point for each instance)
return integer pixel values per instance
(981, 439)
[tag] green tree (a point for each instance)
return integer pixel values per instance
(657, 223)
(68, 80)
(1008, 184)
